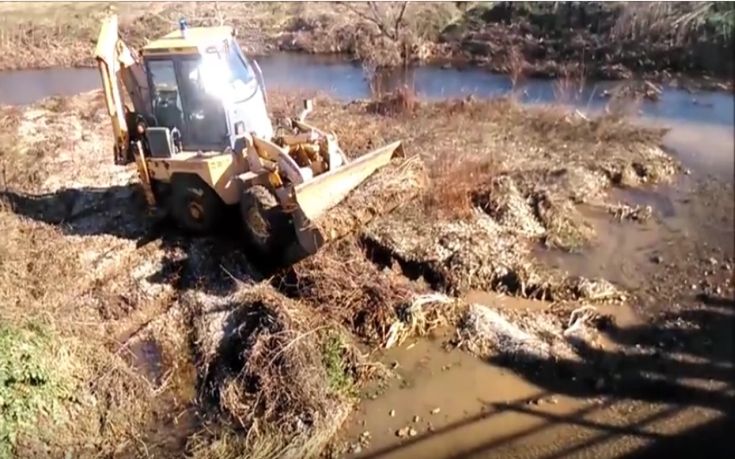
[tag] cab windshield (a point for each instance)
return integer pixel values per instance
(225, 73)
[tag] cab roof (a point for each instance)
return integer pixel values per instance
(195, 38)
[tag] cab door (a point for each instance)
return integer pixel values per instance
(205, 118)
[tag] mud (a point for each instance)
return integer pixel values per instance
(454, 405)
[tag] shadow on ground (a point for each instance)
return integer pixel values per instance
(121, 211)
(680, 366)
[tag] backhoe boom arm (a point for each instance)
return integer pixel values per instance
(119, 66)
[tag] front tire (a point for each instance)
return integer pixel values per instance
(263, 220)
(195, 206)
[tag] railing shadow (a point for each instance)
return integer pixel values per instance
(663, 365)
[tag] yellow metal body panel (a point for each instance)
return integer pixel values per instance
(195, 37)
(218, 170)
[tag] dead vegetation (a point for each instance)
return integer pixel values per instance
(272, 364)
(269, 374)
(64, 34)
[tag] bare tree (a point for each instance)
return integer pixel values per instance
(387, 16)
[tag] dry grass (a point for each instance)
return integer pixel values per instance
(457, 182)
(274, 371)
(271, 363)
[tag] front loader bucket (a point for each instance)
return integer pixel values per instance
(315, 198)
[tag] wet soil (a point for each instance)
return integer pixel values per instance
(677, 263)
(660, 363)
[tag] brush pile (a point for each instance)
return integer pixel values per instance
(265, 368)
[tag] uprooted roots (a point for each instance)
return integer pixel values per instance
(266, 368)
(375, 304)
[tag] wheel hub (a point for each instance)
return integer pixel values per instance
(196, 211)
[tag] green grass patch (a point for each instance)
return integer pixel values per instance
(338, 373)
(33, 381)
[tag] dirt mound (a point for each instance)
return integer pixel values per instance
(505, 203)
(455, 255)
(566, 228)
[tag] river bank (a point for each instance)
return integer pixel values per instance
(574, 43)
(132, 307)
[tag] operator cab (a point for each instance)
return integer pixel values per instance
(204, 92)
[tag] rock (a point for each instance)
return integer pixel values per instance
(356, 448)
(436, 410)
(416, 419)
(392, 413)
(658, 259)
(403, 432)
(712, 261)
(412, 432)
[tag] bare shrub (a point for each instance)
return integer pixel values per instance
(391, 45)
(516, 66)
(387, 16)
(402, 101)
(456, 181)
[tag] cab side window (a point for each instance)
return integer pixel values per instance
(167, 106)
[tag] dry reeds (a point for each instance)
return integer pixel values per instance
(402, 101)
(456, 182)
(516, 66)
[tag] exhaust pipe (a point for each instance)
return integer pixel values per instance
(308, 108)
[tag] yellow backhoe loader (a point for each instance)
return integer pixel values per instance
(190, 110)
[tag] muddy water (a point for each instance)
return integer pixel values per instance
(447, 404)
(706, 148)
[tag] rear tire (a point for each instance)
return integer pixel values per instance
(194, 205)
(263, 220)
